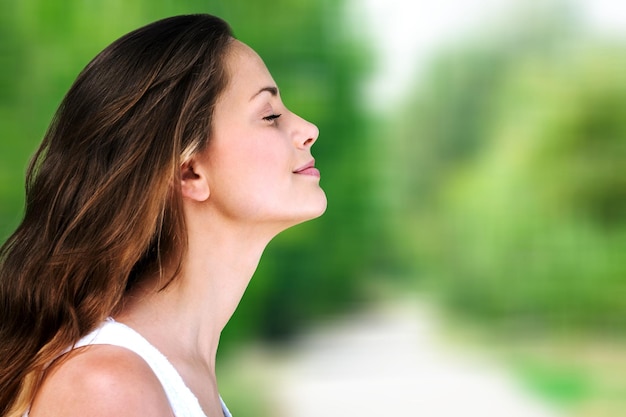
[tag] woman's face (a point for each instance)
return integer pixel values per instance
(260, 167)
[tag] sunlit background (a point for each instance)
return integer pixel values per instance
(474, 157)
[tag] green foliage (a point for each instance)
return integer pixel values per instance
(519, 190)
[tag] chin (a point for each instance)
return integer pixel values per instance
(314, 210)
(319, 208)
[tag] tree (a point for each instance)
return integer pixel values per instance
(519, 141)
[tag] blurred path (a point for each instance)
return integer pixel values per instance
(391, 362)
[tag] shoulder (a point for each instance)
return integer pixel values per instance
(100, 381)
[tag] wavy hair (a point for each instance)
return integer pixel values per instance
(103, 204)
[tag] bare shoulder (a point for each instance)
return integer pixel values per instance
(101, 381)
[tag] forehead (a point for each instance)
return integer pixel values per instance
(246, 70)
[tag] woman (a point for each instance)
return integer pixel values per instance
(169, 166)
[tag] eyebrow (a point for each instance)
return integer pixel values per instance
(270, 89)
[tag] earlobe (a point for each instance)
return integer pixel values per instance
(194, 184)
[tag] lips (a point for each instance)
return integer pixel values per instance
(308, 169)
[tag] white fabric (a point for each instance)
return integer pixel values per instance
(183, 402)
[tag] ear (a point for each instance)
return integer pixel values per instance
(194, 183)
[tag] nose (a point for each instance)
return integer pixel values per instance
(305, 134)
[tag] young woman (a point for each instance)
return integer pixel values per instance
(169, 166)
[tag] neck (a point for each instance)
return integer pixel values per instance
(196, 306)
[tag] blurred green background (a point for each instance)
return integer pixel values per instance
(495, 182)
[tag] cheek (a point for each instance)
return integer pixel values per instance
(253, 174)
(266, 153)
(267, 168)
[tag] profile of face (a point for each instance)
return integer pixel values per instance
(258, 162)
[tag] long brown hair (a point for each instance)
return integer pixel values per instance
(103, 207)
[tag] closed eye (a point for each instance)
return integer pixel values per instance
(271, 117)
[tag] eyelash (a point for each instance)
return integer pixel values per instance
(271, 117)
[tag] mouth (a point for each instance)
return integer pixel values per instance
(308, 169)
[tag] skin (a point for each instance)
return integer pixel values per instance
(238, 194)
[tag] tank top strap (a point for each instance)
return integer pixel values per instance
(183, 402)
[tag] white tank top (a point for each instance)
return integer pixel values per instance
(183, 402)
